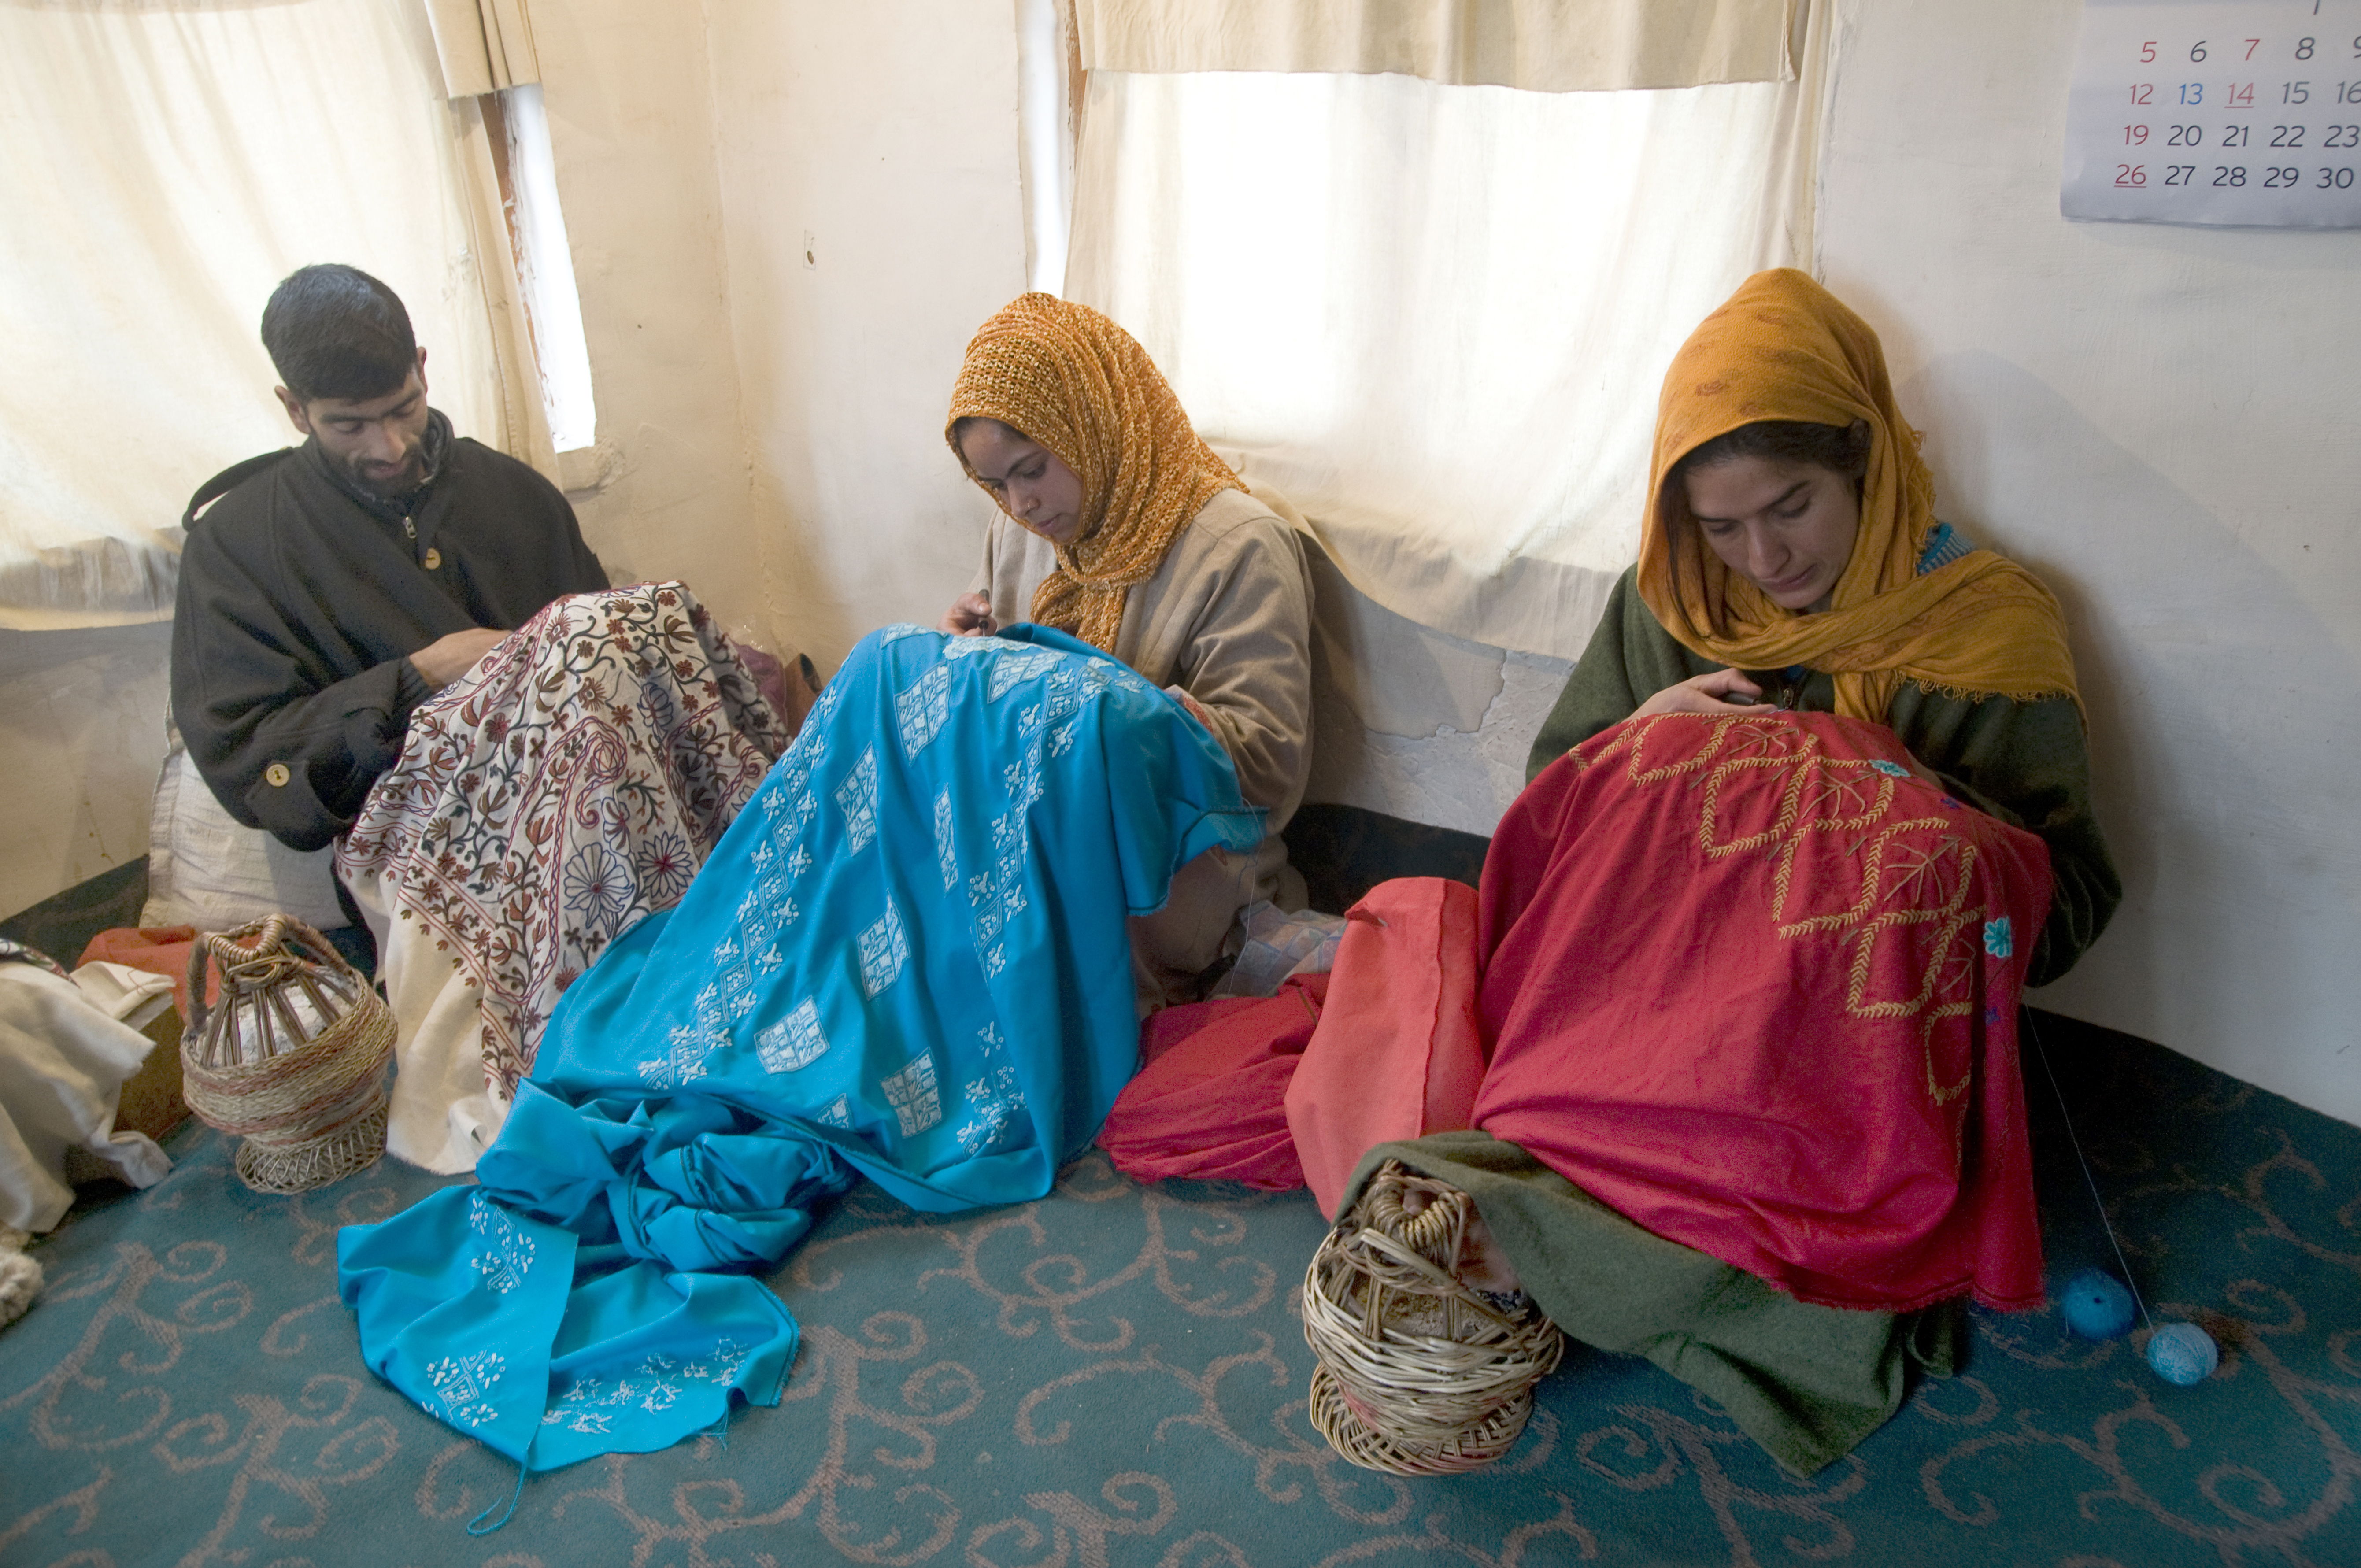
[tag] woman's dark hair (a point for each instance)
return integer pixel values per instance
(335, 332)
(1840, 448)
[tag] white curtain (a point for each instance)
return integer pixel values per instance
(1550, 46)
(484, 45)
(168, 162)
(1437, 316)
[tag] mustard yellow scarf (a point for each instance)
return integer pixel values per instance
(1072, 381)
(1784, 349)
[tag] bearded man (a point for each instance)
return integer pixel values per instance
(327, 590)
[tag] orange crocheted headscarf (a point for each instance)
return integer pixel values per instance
(1784, 349)
(1067, 377)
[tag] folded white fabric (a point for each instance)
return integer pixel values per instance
(65, 1052)
(1280, 943)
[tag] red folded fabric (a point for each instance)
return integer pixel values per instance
(1208, 1100)
(1398, 1052)
(158, 949)
(1753, 986)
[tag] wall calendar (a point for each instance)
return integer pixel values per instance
(2241, 112)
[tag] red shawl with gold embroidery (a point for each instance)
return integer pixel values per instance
(1754, 985)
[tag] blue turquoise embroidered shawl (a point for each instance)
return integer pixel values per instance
(906, 961)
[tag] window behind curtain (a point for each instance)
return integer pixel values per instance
(169, 161)
(1436, 316)
(527, 171)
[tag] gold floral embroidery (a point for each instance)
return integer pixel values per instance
(1906, 883)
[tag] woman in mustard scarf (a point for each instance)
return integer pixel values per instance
(1118, 524)
(1790, 556)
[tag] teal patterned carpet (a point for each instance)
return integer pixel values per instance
(1114, 1377)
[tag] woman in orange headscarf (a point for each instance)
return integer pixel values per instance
(1119, 525)
(1748, 1101)
(1790, 556)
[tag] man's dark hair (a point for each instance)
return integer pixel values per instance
(335, 332)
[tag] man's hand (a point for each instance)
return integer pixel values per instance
(1716, 692)
(969, 615)
(448, 657)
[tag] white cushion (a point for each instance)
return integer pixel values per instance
(207, 869)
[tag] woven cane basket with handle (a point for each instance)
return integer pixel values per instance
(289, 1055)
(1419, 1374)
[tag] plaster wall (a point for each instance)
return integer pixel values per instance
(1413, 722)
(665, 492)
(82, 734)
(2157, 420)
(868, 168)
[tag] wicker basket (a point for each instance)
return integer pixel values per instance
(1419, 1374)
(290, 1056)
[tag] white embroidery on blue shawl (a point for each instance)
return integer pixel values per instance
(1066, 693)
(857, 797)
(787, 798)
(921, 708)
(506, 1255)
(945, 851)
(730, 967)
(795, 1041)
(657, 1392)
(1010, 842)
(766, 910)
(883, 951)
(568, 1411)
(837, 1114)
(900, 628)
(998, 1102)
(799, 863)
(984, 901)
(912, 1093)
(691, 1044)
(719, 1366)
(682, 1062)
(997, 895)
(464, 1384)
(968, 647)
(1047, 729)
(1015, 668)
(654, 1384)
(993, 1115)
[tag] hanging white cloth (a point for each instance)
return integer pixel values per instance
(167, 163)
(1549, 45)
(1437, 316)
(484, 45)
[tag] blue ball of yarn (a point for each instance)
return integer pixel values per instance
(2182, 1354)
(2097, 1305)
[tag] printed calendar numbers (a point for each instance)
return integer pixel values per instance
(2224, 112)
